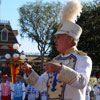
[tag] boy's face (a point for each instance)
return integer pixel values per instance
(17, 79)
(4, 79)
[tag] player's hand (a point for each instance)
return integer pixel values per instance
(26, 68)
(52, 67)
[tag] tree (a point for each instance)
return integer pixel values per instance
(37, 22)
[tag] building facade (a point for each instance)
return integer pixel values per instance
(7, 39)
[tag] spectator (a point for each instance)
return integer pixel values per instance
(18, 89)
(5, 88)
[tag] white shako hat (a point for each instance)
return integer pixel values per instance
(68, 15)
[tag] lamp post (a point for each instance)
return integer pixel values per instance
(14, 61)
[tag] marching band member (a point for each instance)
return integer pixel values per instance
(32, 93)
(67, 75)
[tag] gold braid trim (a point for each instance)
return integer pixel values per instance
(81, 53)
(74, 49)
(71, 50)
(59, 26)
(56, 57)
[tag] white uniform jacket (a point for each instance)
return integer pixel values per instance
(70, 83)
(32, 93)
(43, 95)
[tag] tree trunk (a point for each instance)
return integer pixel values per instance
(42, 62)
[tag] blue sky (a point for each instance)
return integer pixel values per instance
(9, 12)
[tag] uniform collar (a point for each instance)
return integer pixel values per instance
(69, 51)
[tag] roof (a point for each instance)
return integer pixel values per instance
(7, 45)
(11, 33)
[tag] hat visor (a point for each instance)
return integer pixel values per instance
(59, 32)
(5, 76)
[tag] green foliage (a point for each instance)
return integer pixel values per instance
(37, 20)
(90, 22)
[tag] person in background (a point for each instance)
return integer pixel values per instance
(97, 90)
(68, 74)
(5, 88)
(88, 90)
(32, 93)
(43, 95)
(18, 89)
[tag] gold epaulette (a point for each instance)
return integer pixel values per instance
(81, 53)
(56, 57)
(59, 26)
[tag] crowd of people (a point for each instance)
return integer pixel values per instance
(18, 90)
(93, 93)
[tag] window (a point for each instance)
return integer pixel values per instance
(4, 35)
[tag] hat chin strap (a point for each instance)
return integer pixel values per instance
(76, 41)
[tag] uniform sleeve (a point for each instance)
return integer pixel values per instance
(41, 82)
(23, 89)
(32, 78)
(79, 77)
(83, 68)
